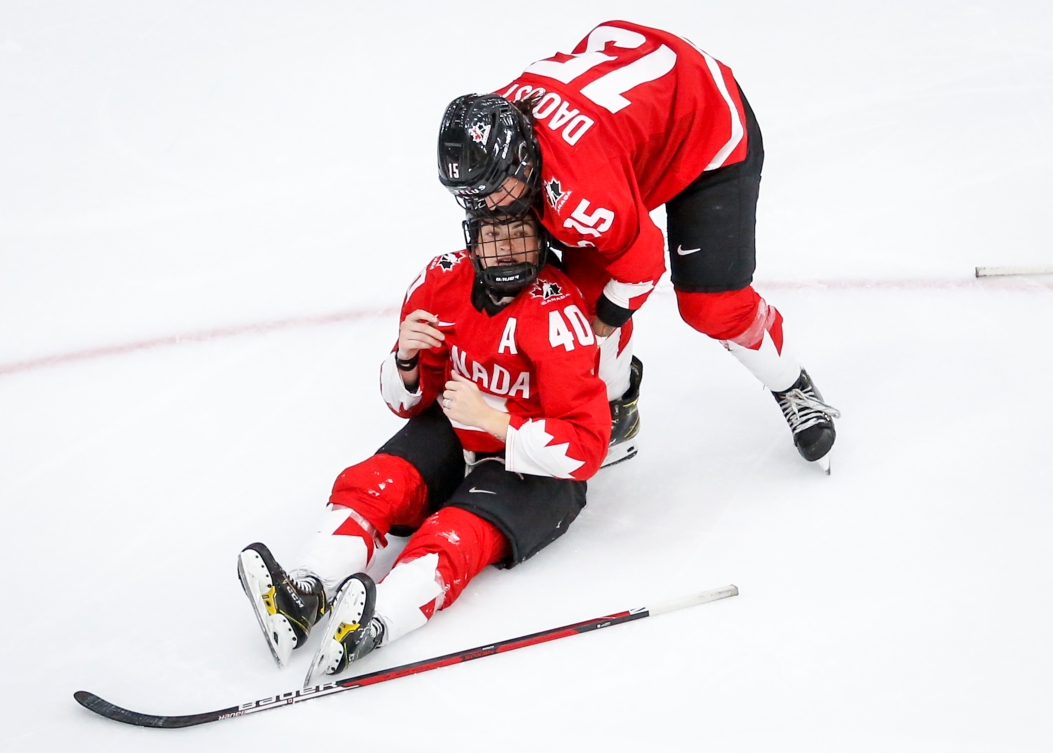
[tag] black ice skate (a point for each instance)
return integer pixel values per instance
(810, 419)
(625, 419)
(352, 632)
(285, 607)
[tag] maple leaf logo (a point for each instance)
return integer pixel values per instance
(555, 194)
(545, 290)
(542, 457)
(448, 261)
(479, 133)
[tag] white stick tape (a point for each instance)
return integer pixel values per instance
(1007, 271)
(690, 601)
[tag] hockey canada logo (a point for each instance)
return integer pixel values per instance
(555, 194)
(547, 291)
(479, 132)
(448, 261)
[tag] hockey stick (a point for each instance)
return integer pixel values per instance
(1012, 271)
(92, 702)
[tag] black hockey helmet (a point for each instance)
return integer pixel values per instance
(484, 139)
(495, 242)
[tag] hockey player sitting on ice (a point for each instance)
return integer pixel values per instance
(494, 368)
(593, 141)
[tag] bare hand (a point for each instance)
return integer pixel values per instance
(417, 332)
(463, 402)
(601, 329)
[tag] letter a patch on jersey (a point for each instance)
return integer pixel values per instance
(508, 339)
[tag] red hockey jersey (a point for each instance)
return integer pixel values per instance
(626, 121)
(534, 359)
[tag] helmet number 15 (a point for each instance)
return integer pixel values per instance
(607, 90)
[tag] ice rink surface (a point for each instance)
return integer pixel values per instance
(209, 213)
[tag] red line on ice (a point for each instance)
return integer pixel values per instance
(1018, 284)
(210, 334)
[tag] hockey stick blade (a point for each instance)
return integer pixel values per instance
(104, 708)
(111, 711)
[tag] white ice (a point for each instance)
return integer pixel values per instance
(249, 187)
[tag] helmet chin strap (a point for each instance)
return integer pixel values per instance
(492, 301)
(517, 208)
(504, 280)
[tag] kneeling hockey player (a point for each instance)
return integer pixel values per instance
(494, 368)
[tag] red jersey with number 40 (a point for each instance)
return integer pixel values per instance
(534, 359)
(626, 121)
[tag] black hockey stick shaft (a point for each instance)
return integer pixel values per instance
(93, 703)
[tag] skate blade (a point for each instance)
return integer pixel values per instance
(254, 576)
(348, 610)
(620, 453)
(824, 463)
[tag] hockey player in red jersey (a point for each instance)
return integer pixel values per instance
(494, 368)
(631, 119)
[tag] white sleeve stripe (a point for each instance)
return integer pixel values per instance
(527, 450)
(393, 389)
(417, 282)
(619, 293)
(737, 129)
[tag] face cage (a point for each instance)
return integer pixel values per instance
(504, 279)
(475, 204)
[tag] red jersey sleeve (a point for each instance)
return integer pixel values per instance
(631, 247)
(570, 438)
(433, 361)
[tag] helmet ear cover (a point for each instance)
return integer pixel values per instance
(511, 278)
(483, 141)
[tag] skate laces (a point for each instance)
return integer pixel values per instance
(378, 628)
(305, 580)
(802, 409)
